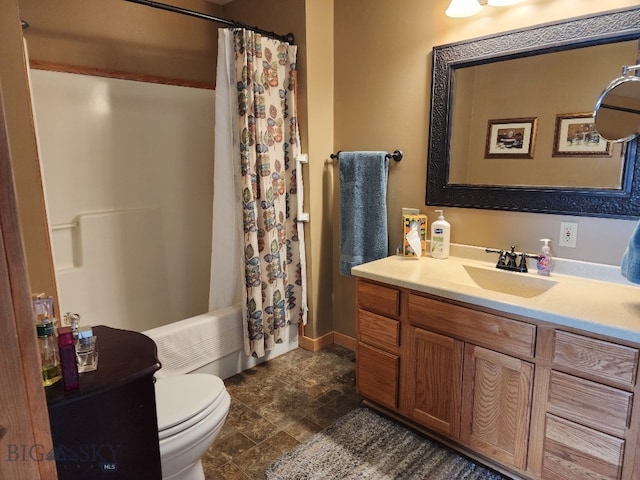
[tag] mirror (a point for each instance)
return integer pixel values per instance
(563, 150)
(617, 111)
(554, 168)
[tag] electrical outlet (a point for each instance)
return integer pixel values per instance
(568, 234)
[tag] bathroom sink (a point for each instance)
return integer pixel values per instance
(512, 283)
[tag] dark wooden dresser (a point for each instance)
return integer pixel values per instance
(107, 429)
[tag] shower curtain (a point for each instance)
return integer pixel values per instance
(256, 253)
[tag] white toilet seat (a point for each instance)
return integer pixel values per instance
(184, 400)
(191, 411)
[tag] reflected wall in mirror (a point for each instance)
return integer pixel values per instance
(540, 86)
(545, 72)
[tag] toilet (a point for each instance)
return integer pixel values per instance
(191, 411)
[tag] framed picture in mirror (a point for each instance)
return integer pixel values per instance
(511, 138)
(576, 136)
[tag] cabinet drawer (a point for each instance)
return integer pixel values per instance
(588, 403)
(492, 331)
(377, 330)
(601, 359)
(377, 375)
(574, 452)
(379, 299)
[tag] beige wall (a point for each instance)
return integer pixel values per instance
(319, 175)
(383, 69)
(123, 36)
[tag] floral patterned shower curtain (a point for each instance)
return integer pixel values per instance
(269, 143)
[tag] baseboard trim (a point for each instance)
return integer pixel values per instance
(344, 341)
(337, 338)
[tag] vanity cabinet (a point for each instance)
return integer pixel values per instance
(528, 397)
(589, 406)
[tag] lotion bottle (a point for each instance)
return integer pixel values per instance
(440, 236)
(544, 258)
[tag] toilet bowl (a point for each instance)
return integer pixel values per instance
(191, 411)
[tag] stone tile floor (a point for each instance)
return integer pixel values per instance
(276, 406)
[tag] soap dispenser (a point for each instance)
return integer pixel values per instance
(440, 236)
(544, 258)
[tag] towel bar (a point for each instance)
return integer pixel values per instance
(396, 155)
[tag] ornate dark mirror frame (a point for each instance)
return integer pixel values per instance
(609, 27)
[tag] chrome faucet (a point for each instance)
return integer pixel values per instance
(508, 259)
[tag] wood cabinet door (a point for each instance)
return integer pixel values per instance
(435, 370)
(496, 405)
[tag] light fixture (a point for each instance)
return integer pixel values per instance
(463, 8)
(467, 8)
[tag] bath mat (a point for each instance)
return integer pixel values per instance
(365, 445)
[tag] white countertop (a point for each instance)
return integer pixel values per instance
(605, 307)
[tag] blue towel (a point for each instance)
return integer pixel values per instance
(363, 208)
(630, 267)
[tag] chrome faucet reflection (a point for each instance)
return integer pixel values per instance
(508, 259)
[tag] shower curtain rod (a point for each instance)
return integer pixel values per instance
(289, 38)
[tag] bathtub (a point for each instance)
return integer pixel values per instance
(210, 343)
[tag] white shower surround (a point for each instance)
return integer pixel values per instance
(127, 170)
(120, 171)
